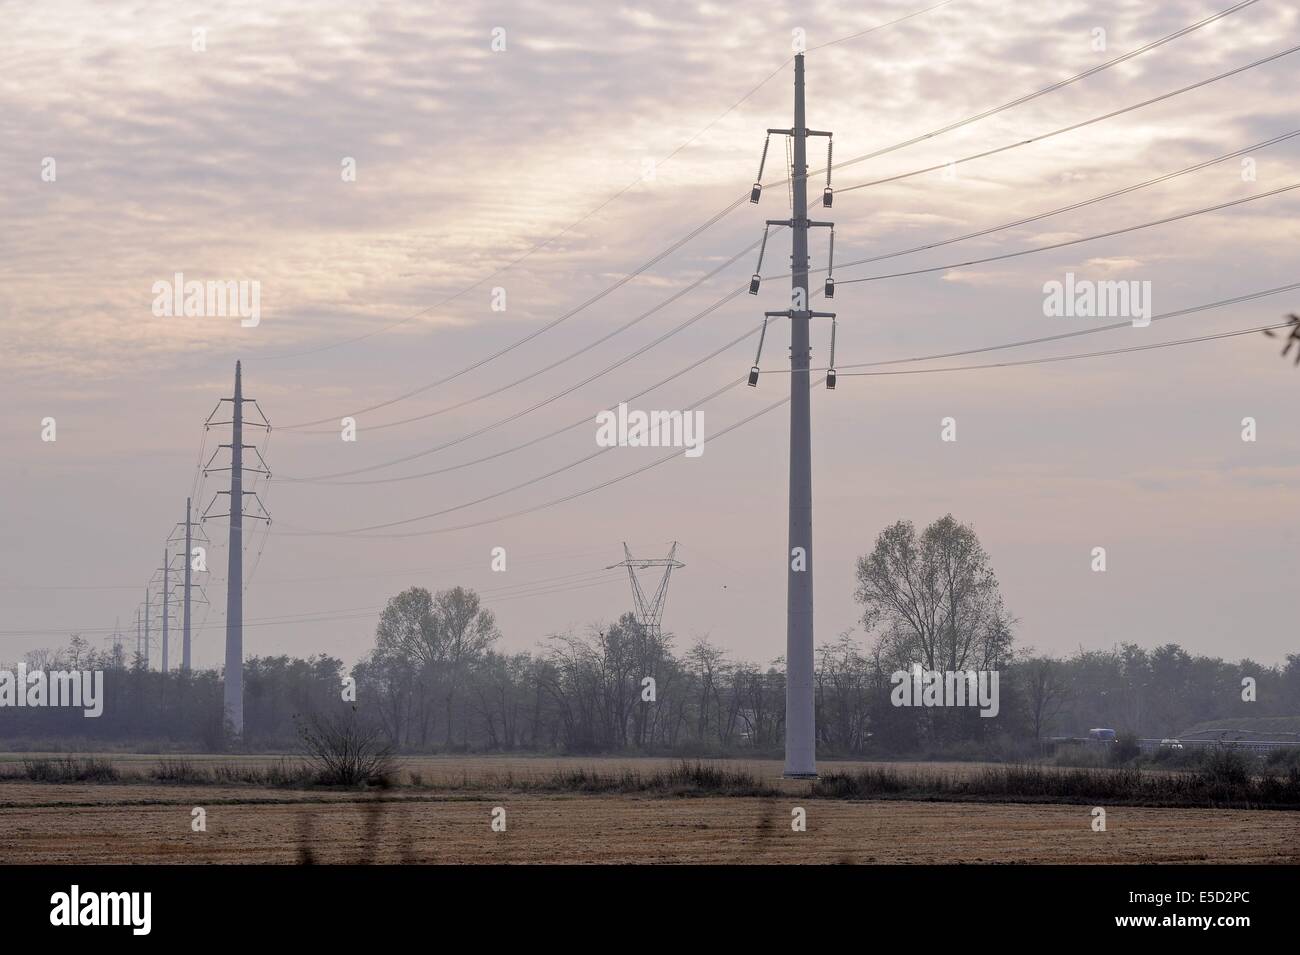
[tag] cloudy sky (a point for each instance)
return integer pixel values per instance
(554, 169)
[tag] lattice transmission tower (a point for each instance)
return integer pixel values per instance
(649, 610)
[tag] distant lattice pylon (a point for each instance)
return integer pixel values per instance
(649, 611)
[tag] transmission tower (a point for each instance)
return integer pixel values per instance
(115, 641)
(185, 531)
(167, 595)
(649, 612)
(234, 678)
(800, 729)
(166, 609)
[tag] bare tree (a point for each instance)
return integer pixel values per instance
(709, 665)
(844, 680)
(936, 597)
(345, 751)
(1046, 692)
(442, 635)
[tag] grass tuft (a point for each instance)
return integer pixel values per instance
(70, 769)
(1224, 781)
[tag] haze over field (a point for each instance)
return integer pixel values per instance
(225, 164)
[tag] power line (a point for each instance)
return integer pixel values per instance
(1076, 205)
(1066, 129)
(741, 199)
(196, 484)
(603, 582)
(926, 247)
(545, 401)
(861, 33)
(585, 419)
(1075, 357)
(327, 478)
(1069, 242)
(555, 364)
(786, 62)
(1019, 101)
(567, 498)
(713, 437)
(281, 581)
(1235, 300)
(875, 278)
(536, 332)
(512, 592)
(266, 525)
(517, 487)
(365, 532)
(1005, 364)
(538, 585)
(593, 211)
(1056, 132)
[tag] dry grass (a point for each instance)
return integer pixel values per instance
(1224, 783)
(257, 813)
(69, 769)
(440, 772)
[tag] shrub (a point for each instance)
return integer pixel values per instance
(1226, 780)
(344, 752)
(70, 769)
(281, 773)
(1226, 767)
(1288, 758)
(179, 771)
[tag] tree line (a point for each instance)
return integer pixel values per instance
(435, 680)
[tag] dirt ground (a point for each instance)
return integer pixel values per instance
(146, 822)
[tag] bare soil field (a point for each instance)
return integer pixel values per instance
(151, 822)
